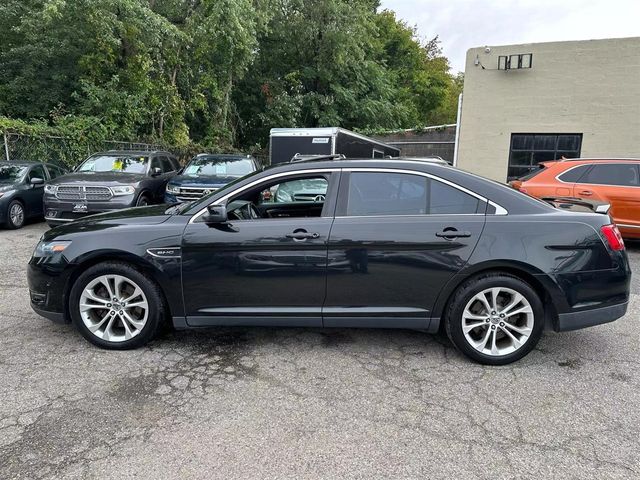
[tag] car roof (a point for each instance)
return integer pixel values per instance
(22, 163)
(133, 152)
(604, 160)
(224, 155)
(396, 162)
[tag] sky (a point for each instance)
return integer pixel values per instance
(462, 24)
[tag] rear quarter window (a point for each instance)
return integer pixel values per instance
(574, 174)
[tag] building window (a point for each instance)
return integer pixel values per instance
(529, 149)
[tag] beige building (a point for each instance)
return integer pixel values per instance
(572, 99)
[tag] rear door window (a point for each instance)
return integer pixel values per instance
(619, 174)
(372, 193)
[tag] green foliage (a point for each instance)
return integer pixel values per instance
(215, 72)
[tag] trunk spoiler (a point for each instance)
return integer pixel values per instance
(578, 204)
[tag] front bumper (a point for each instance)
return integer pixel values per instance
(55, 317)
(47, 282)
(589, 318)
(57, 212)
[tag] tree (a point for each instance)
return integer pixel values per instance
(218, 72)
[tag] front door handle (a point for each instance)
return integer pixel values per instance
(586, 193)
(453, 233)
(302, 235)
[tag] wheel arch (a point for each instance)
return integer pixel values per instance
(101, 256)
(543, 284)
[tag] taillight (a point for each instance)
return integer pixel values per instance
(612, 234)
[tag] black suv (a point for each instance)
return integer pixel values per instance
(21, 189)
(391, 244)
(109, 181)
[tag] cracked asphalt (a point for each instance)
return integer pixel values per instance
(308, 403)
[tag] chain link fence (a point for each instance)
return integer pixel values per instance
(58, 150)
(69, 152)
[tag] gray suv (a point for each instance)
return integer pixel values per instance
(109, 181)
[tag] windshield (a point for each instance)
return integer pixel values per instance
(11, 173)
(219, 166)
(115, 163)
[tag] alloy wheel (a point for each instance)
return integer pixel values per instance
(16, 214)
(114, 308)
(497, 321)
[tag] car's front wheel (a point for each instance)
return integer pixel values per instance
(495, 318)
(143, 200)
(115, 306)
(16, 215)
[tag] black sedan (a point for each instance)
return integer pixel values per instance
(392, 244)
(21, 189)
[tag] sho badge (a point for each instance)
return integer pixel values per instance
(166, 252)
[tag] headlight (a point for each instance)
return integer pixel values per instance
(123, 190)
(48, 249)
(52, 189)
(173, 189)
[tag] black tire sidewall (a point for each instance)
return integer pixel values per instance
(472, 287)
(143, 198)
(150, 289)
(10, 223)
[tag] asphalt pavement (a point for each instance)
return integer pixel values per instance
(307, 403)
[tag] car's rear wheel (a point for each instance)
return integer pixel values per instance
(115, 306)
(15, 215)
(495, 318)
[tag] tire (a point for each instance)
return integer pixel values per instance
(90, 306)
(143, 200)
(515, 325)
(16, 215)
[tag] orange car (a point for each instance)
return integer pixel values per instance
(614, 181)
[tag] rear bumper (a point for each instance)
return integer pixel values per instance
(589, 318)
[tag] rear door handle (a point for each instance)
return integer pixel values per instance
(302, 235)
(453, 234)
(585, 192)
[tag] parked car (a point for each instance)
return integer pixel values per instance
(21, 190)
(614, 181)
(109, 181)
(405, 245)
(206, 173)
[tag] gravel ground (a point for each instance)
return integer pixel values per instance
(307, 403)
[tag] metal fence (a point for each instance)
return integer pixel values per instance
(69, 152)
(58, 150)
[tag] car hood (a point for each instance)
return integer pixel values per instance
(152, 215)
(7, 185)
(202, 181)
(99, 178)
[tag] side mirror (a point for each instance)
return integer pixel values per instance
(37, 181)
(156, 171)
(215, 214)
